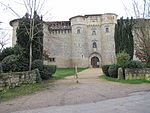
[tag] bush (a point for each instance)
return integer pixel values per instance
(105, 69)
(52, 68)
(147, 65)
(1, 70)
(14, 63)
(135, 64)
(48, 71)
(45, 71)
(113, 71)
(37, 64)
(9, 63)
(6, 52)
(123, 59)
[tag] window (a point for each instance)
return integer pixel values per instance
(78, 31)
(93, 32)
(107, 29)
(82, 56)
(94, 45)
(52, 59)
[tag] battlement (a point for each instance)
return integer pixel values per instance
(59, 25)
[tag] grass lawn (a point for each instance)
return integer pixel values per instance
(23, 90)
(123, 81)
(31, 88)
(63, 72)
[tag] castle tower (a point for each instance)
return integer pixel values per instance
(79, 26)
(108, 42)
(93, 40)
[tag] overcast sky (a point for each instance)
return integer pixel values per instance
(62, 10)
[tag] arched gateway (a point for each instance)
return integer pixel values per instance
(95, 60)
(95, 63)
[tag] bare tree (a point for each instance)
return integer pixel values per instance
(141, 8)
(31, 7)
(142, 39)
(141, 29)
(4, 40)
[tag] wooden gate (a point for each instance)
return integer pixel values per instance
(95, 62)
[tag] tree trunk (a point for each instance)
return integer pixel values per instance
(123, 71)
(30, 56)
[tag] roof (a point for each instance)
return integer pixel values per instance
(11, 22)
(88, 15)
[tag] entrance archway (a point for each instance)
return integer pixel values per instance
(95, 62)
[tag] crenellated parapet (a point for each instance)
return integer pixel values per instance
(59, 27)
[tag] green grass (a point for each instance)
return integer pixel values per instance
(123, 81)
(63, 72)
(23, 90)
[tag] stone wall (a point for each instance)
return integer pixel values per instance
(134, 74)
(71, 42)
(13, 79)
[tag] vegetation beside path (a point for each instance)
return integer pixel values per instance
(123, 81)
(31, 88)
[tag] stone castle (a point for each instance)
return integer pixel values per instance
(83, 41)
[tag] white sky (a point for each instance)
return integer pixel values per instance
(62, 10)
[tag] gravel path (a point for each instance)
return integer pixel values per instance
(90, 89)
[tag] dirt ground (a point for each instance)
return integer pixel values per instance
(66, 91)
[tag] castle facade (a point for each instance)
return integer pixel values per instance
(83, 41)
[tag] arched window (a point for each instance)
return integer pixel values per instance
(93, 32)
(107, 29)
(78, 31)
(94, 45)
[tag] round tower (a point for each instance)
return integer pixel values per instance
(78, 25)
(14, 24)
(109, 21)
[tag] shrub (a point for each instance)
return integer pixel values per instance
(45, 71)
(135, 64)
(113, 71)
(37, 64)
(52, 68)
(105, 69)
(6, 52)
(9, 63)
(14, 63)
(123, 59)
(1, 70)
(147, 65)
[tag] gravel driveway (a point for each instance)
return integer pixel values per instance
(90, 89)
